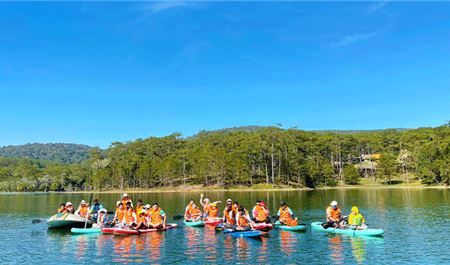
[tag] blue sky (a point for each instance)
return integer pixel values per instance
(95, 73)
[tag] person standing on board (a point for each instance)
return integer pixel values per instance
(334, 215)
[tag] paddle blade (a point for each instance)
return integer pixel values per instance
(37, 221)
(178, 217)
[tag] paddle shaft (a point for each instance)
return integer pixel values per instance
(89, 205)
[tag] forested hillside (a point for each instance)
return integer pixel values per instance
(226, 158)
(58, 152)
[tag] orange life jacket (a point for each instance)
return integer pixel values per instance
(195, 212)
(243, 221)
(229, 217)
(140, 219)
(83, 211)
(155, 216)
(129, 219)
(213, 211)
(124, 202)
(335, 213)
(285, 215)
(120, 214)
(260, 213)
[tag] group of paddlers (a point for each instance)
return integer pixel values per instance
(236, 216)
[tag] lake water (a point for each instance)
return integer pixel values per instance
(416, 224)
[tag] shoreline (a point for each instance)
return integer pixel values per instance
(237, 189)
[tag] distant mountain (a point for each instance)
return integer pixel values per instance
(58, 152)
(254, 128)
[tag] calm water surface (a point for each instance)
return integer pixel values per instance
(416, 224)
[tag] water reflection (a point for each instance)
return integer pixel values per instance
(210, 242)
(358, 249)
(336, 249)
(288, 242)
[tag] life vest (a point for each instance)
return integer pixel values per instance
(96, 207)
(129, 218)
(194, 212)
(120, 214)
(335, 213)
(355, 219)
(212, 210)
(140, 219)
(243, 221)
(83, 211)
(260, 213)
(285, 215)
(124, 202)
(229, 216)
(155, 216)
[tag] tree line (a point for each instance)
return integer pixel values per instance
(268, 155)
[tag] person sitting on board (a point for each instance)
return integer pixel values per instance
(356, 220)
(120, 213)
(243, 221)
(139, 207)
(102, 218)
(188, 208)
(129, 217)
(97, 206)
(141, 221)
(334, 216)
(83, 209)
(126, 198)
(285, 215)
(157, 217)
(69, 208)
(194, 214)
(260, 213)
(210, 209)
(229, 217)
(62, 208)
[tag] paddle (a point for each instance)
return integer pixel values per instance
(37, 221)
(178, 217)
(89, 205)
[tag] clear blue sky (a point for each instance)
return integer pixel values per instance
(95, 73)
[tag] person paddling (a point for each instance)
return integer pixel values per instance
(334, 215)
(157, 217)
(356, 220)
(83, 209)
(243, 221)
(260, 213)
(95, 208)
(285, 215)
